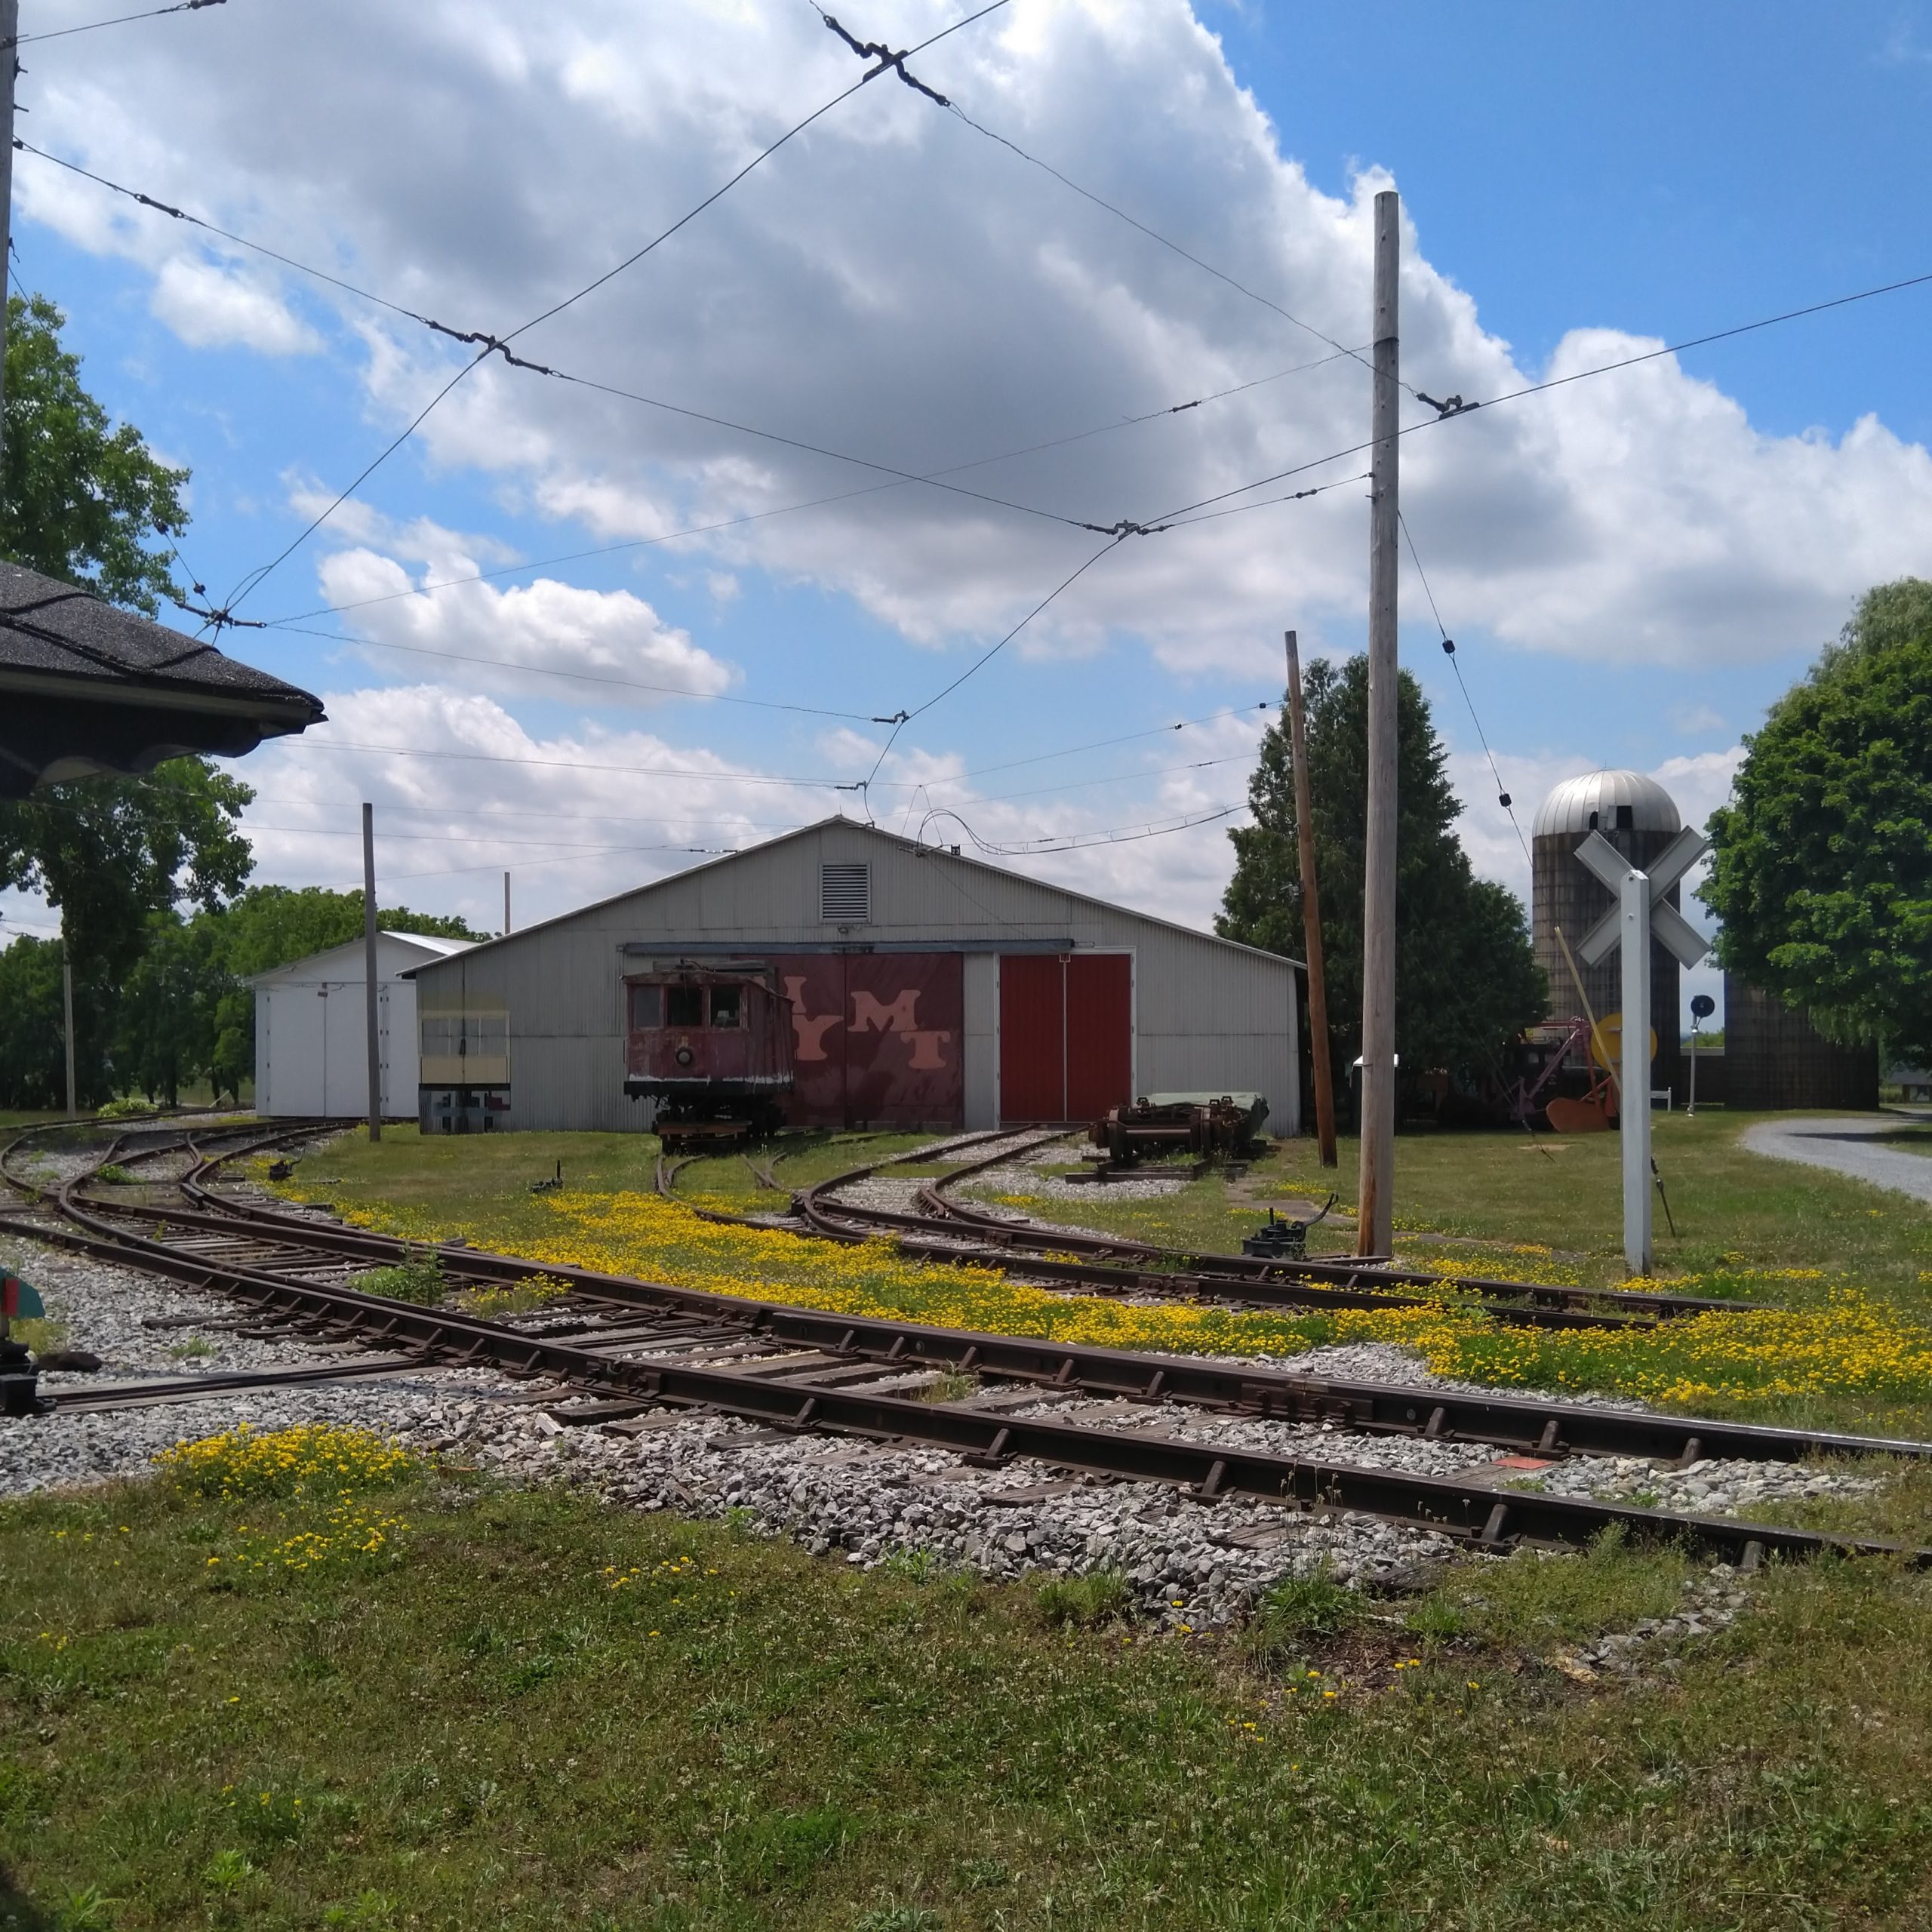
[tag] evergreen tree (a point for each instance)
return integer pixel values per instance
(1467, 979)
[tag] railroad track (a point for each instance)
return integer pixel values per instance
(948, 1230)
(622, 1347)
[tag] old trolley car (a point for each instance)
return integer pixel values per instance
(712, 1043)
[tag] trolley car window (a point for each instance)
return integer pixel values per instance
(684, 1006)
(727, 1007)
(647, 1006)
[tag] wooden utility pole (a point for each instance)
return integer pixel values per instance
(1375, 1210)
(506, 905)
(67, 1018)
(373, 988)
(10, 72)
(1310, 918)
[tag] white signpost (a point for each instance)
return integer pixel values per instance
(1641, 912)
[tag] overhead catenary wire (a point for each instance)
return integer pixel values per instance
(511, 664)
(1173, 519)
(578, 859)
(391, 836)
(905, 717)
(1125, 834)
(1093, 745)
(56, 801)
(295, 618)
(313, 743)
(119, 20)
(657, 771)
(467, 812)
(1117, 777)
(863, 786)
(1503, 797)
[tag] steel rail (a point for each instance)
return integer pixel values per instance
(1527, 1425)
(932, 1241)
(96, 1397)
(1476, 1514)
(1222, 1276)
(1258, 1268)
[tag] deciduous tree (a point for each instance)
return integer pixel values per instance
(1822, 872)
(81, 496)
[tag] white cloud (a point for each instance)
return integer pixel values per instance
(893, 285)
(612, 646)
(463, 792)
(466, 792)
(209, 307)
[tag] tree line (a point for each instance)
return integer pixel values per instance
(172, 1010)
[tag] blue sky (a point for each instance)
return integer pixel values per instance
(1633, 568)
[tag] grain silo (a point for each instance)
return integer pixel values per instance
(1640, 818)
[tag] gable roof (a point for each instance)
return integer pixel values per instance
(945, 853)
(87, 687)
(349, 954)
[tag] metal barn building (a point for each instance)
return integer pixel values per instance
(312, 1027)
(1774, 1057)
(924, 990)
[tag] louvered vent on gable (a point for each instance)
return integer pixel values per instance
(845, 893)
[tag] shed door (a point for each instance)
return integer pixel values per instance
(1065, 1035)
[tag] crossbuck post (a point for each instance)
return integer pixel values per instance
(1634, 1113)
(1641, 910)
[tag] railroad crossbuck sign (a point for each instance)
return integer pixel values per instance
(1641, 913)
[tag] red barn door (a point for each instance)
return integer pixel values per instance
(1065, 1035)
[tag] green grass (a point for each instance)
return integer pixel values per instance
(1494, 1194)
(482, 1180)
(1534, 1600)
(419, 1279)
(461, 1171)
(475, 1728)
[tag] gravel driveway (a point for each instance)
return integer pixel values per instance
(1846, 1147)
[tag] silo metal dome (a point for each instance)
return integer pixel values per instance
(1640, 818)
(1592, 802)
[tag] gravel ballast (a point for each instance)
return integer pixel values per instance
(1187, 1562)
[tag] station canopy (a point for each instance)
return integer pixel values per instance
(86, 687)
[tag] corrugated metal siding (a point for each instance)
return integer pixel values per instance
(1774, 1057)
(1210, 1014)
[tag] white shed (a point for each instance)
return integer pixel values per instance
(311, 1054)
